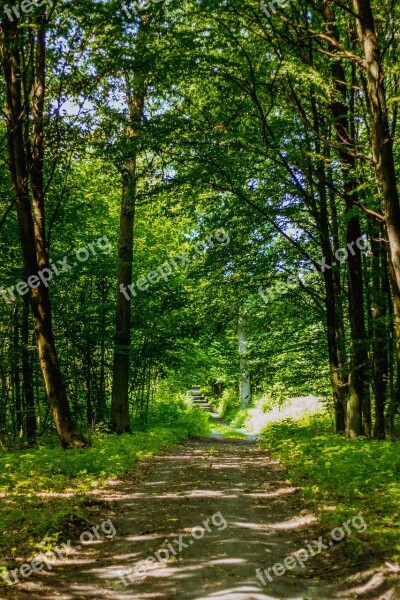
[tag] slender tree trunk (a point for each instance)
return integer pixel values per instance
(395, 389)
(359, 410)
(336, 366)
(333, 316)
(380, 331)
(25, 169)
(30, 413)
(101, 403)
(18, 430)
(244, 376)
(338, 290)
(120, 422)
(358, 405)
(136, 91)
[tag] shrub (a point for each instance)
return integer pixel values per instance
(229, 404)
(176, 412)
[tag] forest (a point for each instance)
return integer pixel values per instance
(200, 268)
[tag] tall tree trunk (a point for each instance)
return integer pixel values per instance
(18, 430)
(244, 375)
(380, 331)
(358, 404)
(381, 138)
(24, 169)
(333, 317)
(30, 414)
(120, 421)
(101, 402)
(395, 389)
(359, 410)
(135, 96)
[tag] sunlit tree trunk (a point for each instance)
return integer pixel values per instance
(244, 376)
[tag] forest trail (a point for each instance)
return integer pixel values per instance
(168, 495)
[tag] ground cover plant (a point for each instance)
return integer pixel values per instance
(44, 490)
(339, 478)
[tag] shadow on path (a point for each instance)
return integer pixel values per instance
(168, 495)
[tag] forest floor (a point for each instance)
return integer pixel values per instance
(255, 520)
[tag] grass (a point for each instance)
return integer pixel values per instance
(44, 491)
(227, 431)
(341, 477)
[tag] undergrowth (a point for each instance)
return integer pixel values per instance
(341, 477)
(45, 491)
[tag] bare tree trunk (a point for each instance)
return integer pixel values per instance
(381, 138)
(244, 376)
(395, 389)
(25, 169)
(120, 422)
(18, 430)
(380, 331)
(358, 404)
(30, 414)
(135, 96)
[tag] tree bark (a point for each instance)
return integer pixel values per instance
(30, 413)
(244, 375)
(120, 421)
(380, 332)
(358, 407)
(395, 389)
(381, 138)
(135, 96)
(25, 170)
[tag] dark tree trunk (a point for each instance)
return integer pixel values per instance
(30, 413)
(26, 167)
(358, 403)
(381, 137)
(336, 366)
(136, 91)
(18, 430)
(380, 330)
(101, 399)
(395, 389)
(120, 421)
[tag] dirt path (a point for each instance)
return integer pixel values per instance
(254, 521)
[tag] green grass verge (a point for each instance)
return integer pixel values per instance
(226, 431)
(44, 491)
(341, 478)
